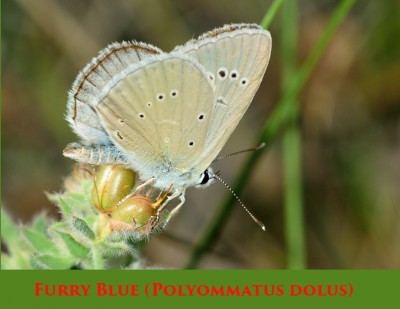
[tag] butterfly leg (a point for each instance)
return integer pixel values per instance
(177, 207)
(169, 198)
(146, 183)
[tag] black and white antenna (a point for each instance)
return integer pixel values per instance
(216, 175)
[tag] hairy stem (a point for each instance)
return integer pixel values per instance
(97, 258)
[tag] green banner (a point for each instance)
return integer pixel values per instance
(178, 288)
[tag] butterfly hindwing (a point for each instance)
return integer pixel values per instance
(88, 85)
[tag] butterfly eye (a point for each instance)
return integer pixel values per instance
(174, 93)
(204, 178)
(141, 115)
(201, 116)
(149, 104)
(191, 144)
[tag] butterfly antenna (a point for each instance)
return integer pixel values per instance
(240, 202)
(262, 145)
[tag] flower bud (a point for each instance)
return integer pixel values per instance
(139, 214)
(134, 212)
(112, 184)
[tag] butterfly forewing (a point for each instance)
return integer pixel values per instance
(158, 113)
(235, 57)
(88, 85)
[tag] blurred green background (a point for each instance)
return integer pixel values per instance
(350, 124)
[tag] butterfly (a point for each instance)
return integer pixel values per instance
(167, 115)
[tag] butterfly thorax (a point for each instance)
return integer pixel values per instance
(166, 174)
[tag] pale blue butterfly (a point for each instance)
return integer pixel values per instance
(167, 115)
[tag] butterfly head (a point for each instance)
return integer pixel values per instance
(206, 178)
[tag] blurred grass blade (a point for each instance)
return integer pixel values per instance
(291, 143)
(293, 212)
(269, 17)
(276, 122)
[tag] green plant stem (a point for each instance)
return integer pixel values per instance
(97, 257)
(291, 142)
(270, 15)
(276, 122)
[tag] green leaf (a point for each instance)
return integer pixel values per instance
(18, 260)
(35, 264)
(77, 197)
(114, 249)
(60, 226)
(39, 241)
(65, 208)
(9, 230)
(53, 197)
(87, 186)
(6, 262)
(40, 223)
(75, 204)
(48, 261)
(82, 229)
(74, 247)
(63, 202)
(17, 256)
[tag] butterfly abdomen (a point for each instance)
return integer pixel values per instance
(95, 154)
